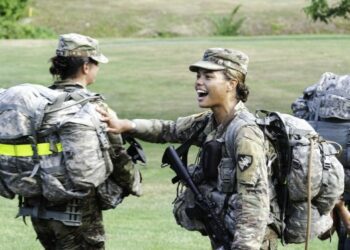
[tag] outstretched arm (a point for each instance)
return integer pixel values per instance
(156, 130)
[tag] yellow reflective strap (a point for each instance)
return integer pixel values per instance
(44, 148)
(24, 150)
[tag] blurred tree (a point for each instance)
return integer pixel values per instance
(11, 14)
(320, 10)
(13, 9)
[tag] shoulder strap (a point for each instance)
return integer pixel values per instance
(241, 120)
(183, 149)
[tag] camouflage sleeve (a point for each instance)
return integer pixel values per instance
(161, 131)
(125, 173)
(252, 201)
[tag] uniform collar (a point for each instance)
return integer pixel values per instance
(67, 83)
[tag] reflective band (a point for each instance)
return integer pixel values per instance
(26, 149)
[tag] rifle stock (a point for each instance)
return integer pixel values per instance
(206, 209)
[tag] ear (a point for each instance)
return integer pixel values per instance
(85, 68)
(231, 85)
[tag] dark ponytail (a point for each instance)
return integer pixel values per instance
(67, 67)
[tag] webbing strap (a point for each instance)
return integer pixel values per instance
(69, 218)
(24, 150)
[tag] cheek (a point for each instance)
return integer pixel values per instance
(218, 89)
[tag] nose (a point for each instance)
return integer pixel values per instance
(199, 81)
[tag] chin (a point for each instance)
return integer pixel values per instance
(203, 105)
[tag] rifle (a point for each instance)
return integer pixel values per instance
(204, 208)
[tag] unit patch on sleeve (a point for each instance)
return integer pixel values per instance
(244, 161)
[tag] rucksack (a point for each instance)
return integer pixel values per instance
(51, 143)
(291, 139)
(326, 106)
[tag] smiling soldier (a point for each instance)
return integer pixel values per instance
(230, 171)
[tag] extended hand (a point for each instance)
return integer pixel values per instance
(115, 125)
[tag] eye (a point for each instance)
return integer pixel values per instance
(208, 76)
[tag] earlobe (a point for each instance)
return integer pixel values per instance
(86, 68)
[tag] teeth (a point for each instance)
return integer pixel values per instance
(201, 91)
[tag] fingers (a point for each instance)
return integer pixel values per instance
(111, 130)
(105, 119)
(101, 111)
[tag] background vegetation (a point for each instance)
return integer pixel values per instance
(14, 24)
(160, 18)
(150, 78)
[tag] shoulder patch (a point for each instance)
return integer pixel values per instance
(244, 161)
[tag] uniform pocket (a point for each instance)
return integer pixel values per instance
(226, 176)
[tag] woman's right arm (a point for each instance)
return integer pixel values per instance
(154, 130)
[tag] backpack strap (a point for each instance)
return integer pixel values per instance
(183, 149)
(243, 119)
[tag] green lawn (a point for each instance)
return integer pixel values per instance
(150, 78)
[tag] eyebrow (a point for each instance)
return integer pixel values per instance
(206, 71)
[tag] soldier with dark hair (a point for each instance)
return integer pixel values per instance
(74, 67)
(238, 186)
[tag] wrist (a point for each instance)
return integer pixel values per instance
(132, 125)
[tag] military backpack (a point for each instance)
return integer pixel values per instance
(52, 143)
(301, 160)
(326, 106)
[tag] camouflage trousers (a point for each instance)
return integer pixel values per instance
(54, 235)
(270, 240)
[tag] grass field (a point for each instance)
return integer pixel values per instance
(161, 18)
(150, 78)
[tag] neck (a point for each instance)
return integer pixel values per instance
(79, 80)
(222, 113)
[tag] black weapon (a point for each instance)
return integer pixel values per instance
(135, 150)
(204, 208)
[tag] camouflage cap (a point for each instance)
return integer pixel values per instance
(219, 59)
(73, 44)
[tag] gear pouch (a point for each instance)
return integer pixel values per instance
(226, 176)
(210, 159)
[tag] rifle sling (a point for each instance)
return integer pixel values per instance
(183, 149)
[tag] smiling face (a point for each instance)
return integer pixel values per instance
(213, 89)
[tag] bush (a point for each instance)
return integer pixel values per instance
(228, 25)
(15, 30)
(13, 9)
(11, 12)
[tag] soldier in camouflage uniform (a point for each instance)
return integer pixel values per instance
(241, 190)
(75, 66)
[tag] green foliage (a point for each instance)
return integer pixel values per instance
(15, 30)
(320, 10)
(228, 25)
(11, 12)
(12, 9)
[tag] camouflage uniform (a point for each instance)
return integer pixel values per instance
(247, 210)
(90, 235)
(124, 180)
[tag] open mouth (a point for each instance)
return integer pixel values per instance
(202, 93)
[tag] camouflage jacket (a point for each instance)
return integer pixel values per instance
(249, 199)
